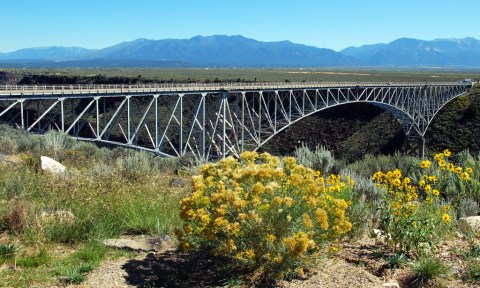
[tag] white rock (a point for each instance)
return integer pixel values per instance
(52, 166)
(391, 284)
(469, 224)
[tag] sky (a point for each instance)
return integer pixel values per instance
(334, 24)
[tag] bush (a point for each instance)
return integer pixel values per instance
(371, 164)
(467, 207)
(363, 185)
(55, 142)
(411, 212)
(265, 213)
(8, 145)
(320, 160)
(134, 165)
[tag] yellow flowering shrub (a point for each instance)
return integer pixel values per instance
(412, 213)
(264, 212)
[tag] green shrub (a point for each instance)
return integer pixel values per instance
(359, 214)
(56, 142)
(22, 141)
(86, 148)
(320, 160)
(371, 164)
(467, 207)
(412, 212)
(363, 185)
(266, 214)
(134, 165)
(8, 145)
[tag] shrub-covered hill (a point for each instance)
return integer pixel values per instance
(353, 130)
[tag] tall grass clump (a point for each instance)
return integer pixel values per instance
(8, 251)
(320, 160)
(267, 214)
(426, 269)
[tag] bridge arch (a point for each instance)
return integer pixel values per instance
(400, 115)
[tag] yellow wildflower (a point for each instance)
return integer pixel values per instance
(439, 157)
(447, 153)
(446, 218)
(465, 176)
(425, 164)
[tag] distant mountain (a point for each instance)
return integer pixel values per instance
(238, 51)
(55, 53)
(414, 53)
(227, 51)
(199, 51)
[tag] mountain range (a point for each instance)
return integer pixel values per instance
(238, 51)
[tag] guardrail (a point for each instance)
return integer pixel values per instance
(14, 90)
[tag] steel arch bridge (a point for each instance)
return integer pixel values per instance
(208, 121)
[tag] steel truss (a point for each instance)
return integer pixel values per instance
(212, 123)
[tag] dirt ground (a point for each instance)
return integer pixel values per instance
(360, 264)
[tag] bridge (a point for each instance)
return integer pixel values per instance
(211, 120)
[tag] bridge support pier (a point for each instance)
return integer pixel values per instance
(415, 146)
(422, 147)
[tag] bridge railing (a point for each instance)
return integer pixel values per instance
(188, 87)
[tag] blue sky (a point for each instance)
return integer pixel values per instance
(334, 24)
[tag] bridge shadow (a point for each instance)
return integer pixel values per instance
(174, 269)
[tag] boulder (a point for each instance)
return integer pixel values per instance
(52, 166)
(161, 243)
(469, 224)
